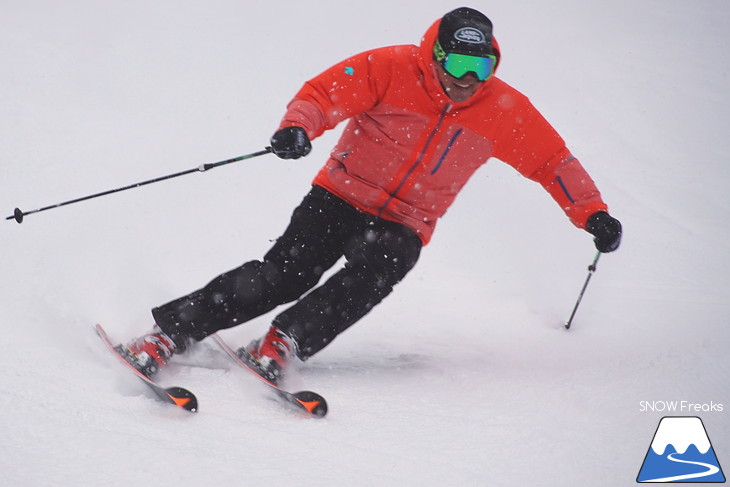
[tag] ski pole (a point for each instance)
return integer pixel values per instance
(591, 270)
(18, 214)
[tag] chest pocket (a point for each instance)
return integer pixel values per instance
(446, 151)
(458, 154)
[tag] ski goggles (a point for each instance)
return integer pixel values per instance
(458, 65)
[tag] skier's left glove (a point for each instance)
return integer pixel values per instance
(290, 143)
(606, 229)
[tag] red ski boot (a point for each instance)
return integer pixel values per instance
(149, 352)
(270, 355)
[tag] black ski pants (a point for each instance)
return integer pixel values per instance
(323, 228)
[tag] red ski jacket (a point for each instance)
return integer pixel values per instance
(408, 148)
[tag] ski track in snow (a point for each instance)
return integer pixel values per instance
(464, 376)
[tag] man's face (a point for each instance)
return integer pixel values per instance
(458, 89)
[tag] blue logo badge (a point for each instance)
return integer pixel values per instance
(350, 71)
(681, 452)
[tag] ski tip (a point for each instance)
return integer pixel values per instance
(182, 398)
(312, 402)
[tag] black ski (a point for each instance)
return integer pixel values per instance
(307, 401)
(177, 396)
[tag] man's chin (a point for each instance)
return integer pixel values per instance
(459, 94)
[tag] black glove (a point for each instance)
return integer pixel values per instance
(290, 143)
(606, 229)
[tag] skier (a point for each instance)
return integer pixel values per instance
(422, 119)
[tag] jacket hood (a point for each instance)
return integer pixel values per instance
(428, 64)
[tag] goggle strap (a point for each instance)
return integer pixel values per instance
(438, 52)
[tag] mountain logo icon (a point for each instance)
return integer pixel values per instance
(681, 452)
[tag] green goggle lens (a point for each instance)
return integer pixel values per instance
(458, 65)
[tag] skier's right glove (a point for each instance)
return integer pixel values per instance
(290, 143)
(606, 229)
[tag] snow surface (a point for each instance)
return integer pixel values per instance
(464, 375)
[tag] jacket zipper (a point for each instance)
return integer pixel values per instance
(419, 160)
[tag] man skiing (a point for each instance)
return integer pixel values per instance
(421, 120)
